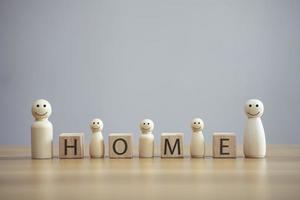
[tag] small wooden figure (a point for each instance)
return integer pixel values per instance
(146, 140)
(120, 145)
(41, 130)
(254, 135)
(71, 145)
(171, 145)
(224, 145)
(96, 147)
(197, 146)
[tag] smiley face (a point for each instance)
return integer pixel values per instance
(197, 124)
(41, 109)
(96, 124)
(146, 125)
(254, 108)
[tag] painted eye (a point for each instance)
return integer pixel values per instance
(250, 105)
(38, 105)
(97, 122)
(144, 123)
(198, 122)
(148, 123)
(93, 122)
(44, 105)
(194, 122)
(256, 105)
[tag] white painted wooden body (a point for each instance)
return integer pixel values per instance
(146, 145)
(254, 138)
(96, 147)
(41, 139)
(197, 146)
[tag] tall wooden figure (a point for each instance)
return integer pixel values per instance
(41, 130)
(197, 146)
(97, 142)
(146, 140)
(254, 135)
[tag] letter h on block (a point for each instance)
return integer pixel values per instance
(71, 145)
(171, 145)
(224, 145)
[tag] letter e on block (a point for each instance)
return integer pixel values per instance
(71, 145)
(224, 145)
(120, 145)
(171, 145)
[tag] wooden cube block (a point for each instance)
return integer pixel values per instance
(224, 145)
(71, 145)
(171, 145)
(120, 145)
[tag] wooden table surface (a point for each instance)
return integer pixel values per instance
(275, 177)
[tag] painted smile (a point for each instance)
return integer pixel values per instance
(41, 115)
(253, 114)
(196, 126)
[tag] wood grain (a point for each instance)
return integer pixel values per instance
(275, 177)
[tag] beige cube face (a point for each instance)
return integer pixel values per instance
(171, 145)
(71, 145)
(224, 145)
(120, 145)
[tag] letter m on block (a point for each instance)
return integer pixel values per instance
(172, 145)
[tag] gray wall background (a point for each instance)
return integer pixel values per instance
(168, 60)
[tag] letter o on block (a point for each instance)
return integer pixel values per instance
(120, 145)
(115, 145)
